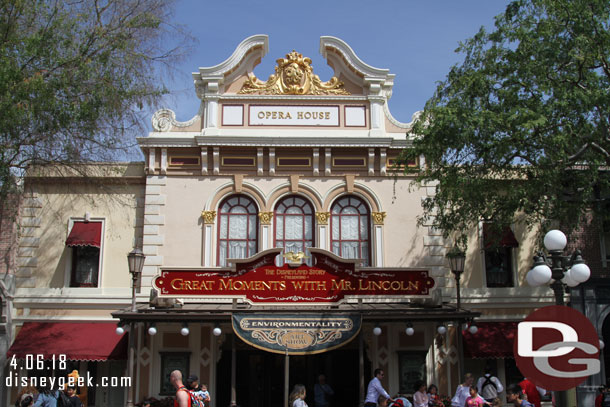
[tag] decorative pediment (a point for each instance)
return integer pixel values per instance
(293, 76)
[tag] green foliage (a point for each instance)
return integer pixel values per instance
(521, 126)
(75, 76)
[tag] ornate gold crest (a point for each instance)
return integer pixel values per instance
(293, 76)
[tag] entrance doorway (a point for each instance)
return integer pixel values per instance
(260, 375)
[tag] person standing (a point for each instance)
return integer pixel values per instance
(532, 391)
(462, 392)
(375, 389)
(322, 392)
(420, 397)
(297, 396)
(489, 386)
(182, 396)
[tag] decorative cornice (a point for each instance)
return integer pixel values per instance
(378, 217)
(164, 120)
(265, 217)
(228, 65)
(350, 57)
(208, 216)
(322, 217)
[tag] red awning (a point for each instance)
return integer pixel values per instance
(95, 341)
(498, 238)
(85, 234)
(493, 340)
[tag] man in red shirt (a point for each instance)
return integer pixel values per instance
(532, 392)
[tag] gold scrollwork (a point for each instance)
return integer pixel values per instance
(322, 217)
(265, 217)
(208, 216)
(293, 76)
(378, 217)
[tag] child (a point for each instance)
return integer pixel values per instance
(434, 399)
(192, 383)
(474, 400)
(382, 401)
(297, 396)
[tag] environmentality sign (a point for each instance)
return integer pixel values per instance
(329, 279)
(302, 334)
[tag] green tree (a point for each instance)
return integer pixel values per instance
(77, 77)
(521, 126)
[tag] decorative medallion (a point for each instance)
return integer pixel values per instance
(293, 76)
(322, 217)
(265, 217)
(378, 217)
(208, 216)
(296, 334)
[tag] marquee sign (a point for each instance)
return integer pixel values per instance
(259, 280)
(302, 334)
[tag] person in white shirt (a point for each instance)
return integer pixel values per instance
(489, 386)
(462, 392)
(375, 390)
(297, 396)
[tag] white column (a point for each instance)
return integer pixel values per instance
(207, 242)
(272, 161)
(322, 237)
(209, 217)
(204, 161)
(383, 158)
(152, 152)
(265, 237)
(378, 246)
(216, 158)
(164, 161)
(327, 160)
(316, 161)
(259, 161)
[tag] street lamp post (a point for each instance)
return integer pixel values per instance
(457, 258)
(135, 259)
(568, 270)
(456, 261)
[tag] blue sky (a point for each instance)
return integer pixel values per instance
(414, 39)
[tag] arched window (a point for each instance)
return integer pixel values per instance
(294, 221)
(350, 231)
(237, 229)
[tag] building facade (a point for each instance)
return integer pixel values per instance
(280, 201)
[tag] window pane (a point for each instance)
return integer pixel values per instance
(294, 247)
(237, 250)
(294, 227)
(85, 268)
(252, 227)
(364, 254)
(222, 253)
(335, 226)
(237, 227)
(294, 210)
(308, 227)
(224, 219)
(364, 227)
(349, 228)
(336, 249)
(238, 209)
(251, 249)
(279, 227)
(349, 250)
(349, 211)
